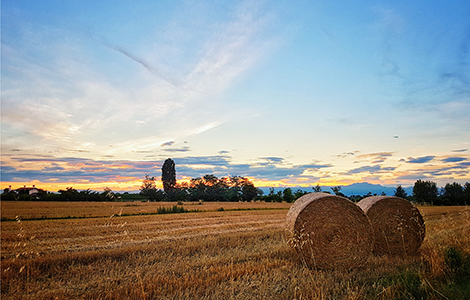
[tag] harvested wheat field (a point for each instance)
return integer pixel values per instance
(63, 210)
(214, 254)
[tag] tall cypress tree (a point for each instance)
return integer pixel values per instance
(168, 175)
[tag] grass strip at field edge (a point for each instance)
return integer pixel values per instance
(142, 214)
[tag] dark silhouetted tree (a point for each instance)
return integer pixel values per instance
(466, 192)
(272, 196)
(299, 193)
(211, 188)
(249, 191)
(148, 188)
(400, 192)
(9, 195)
(69, 194)
(337, 191)
(287, 195)
(168, 175)
(425, 191)
(453, 194)
(317, 189)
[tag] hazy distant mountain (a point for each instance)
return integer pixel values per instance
(363, 188)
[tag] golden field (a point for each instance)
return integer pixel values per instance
(238, 253)
(51, 210)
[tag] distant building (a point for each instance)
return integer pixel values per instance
(32, 191)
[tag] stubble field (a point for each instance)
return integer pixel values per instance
(111, 252)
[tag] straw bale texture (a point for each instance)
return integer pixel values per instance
(398, 226)
(329, 231)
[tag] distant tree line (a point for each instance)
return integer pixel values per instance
(206, 188)
(426, 192)
(69, 194)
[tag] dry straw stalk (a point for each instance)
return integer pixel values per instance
(398, 226)
(329, 231)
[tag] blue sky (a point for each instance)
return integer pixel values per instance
(285, 93)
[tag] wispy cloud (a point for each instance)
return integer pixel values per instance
(232, 50)
(375, 158)
(167, 144)
(345, 154)
(420, 160)
(206, 127)
(127, 53)
(272, 160)
(370, 169)
(453, 159)
(375, 155)
(182, 149)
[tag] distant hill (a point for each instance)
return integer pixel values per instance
(361, 188)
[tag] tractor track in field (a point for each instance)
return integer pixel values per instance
(128, 237)
(112, 234)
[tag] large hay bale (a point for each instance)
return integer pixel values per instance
(398, 226)
(329, 231)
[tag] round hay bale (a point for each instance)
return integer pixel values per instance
(398, 226)
(329, 232)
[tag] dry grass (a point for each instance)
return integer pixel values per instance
(210, 255)
(51, 210)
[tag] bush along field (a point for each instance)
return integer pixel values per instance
(231, 253)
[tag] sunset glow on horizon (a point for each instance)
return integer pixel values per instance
(99, 94)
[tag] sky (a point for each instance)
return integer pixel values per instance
(97, 94)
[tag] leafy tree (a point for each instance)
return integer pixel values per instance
(273, 196)
(425, 191)
(168, 175)
(400, 192)
(466, 192)
(178, 193)
(317, 189)
(249, 191)
(299, 193)
(89, 195)
(9, 195)
(69, 194)
(355, 198)
(211, 188)
(287, 195)
(196, 189)
(148, 188)
(337, 191)
(453, 194)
